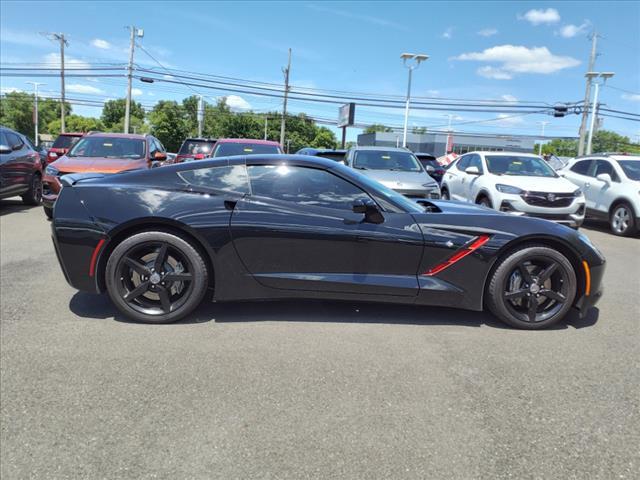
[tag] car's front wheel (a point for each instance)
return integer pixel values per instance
(444, 194)
(156, 277)
(532, 287)
(33, 196)
(622, 220)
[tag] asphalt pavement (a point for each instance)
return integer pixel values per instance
(309, 389)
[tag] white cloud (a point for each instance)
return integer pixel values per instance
(16, 37)
(570, 31)
(508, 98)
(634, 97)
(448, 33)
(516, 59)
(69, 62)
(507, 120)
(136, 92)
(99, 43)
(235, 102)
(10, 90)
(487, 32)
(79, 88)
(538, 17)
(381, 22)
(433, 93)
(494, 73)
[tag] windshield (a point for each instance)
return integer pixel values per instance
(65, 141)
(195, 147)
(335, 156)
(386, 160)
(430, 163)
(519, 166)
(228, 149)
(631, 169)
(108, 147)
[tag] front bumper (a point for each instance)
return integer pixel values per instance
(571, 215)
(51, 187)
(584, 303)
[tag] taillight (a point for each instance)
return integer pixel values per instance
(199, 156)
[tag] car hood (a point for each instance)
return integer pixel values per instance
(399, 180)
(537, 184)
(97, 164)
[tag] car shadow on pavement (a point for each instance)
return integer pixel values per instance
(14, 206)
(87, 305)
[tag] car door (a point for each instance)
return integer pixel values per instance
(470, 183)
(16, 165)
(602, 193)
(297, 231)
(456, 178)
(578, 174)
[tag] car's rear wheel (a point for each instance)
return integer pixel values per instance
(484, 201)
(48, 211)
(622, 220)
(33, 196)
(156, 277)
(444, 194)
(532, 287)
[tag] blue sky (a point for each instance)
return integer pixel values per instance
(534, 51)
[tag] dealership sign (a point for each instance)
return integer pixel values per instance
(346, 115)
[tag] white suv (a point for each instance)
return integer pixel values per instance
(516, 183)
(611, 186)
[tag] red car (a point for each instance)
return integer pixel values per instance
(101, 153)
(62, 145)
(195, 149)
(245, 146)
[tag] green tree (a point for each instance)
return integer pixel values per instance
(168, 124)
(324, 138)
(76, 123)
(419, 130)
(377, 127)
(560, 147)
(214, 116)
(608, 141)
(114, 110)
(16, 112)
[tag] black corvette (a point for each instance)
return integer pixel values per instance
(277, 226)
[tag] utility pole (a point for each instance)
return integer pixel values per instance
(200, 116)
(594, 108)
(587, 94)
(416, 58)
(266, 119)
(286, 94)
(542, 124)
(59, 37)
(35, 110)
(127, 109)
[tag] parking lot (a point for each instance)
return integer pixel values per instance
(309, 389)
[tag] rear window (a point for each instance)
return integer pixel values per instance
(65, 141)
(194, 147)
(338, 157)
(228, 149)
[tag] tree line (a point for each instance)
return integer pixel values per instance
(170, 121)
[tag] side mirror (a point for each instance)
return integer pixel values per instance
(430, 169)
(472, 171)
(5, 149)
(159, 156)
(370, 210)
(604, 177)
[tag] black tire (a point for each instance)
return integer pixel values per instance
(48, 211)
(444, 194)
(518, 287)
(33, 196)
(160, 290)
(484, 201)
(622, 220)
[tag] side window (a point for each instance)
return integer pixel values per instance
(305, 186)
(475, 161)
(15, 142)
(604, 166)
(232, 178)
(581, 167)
(159, 146)
(153, 147)
(3, 139)
(463, 163)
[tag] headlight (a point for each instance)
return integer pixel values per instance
(429, 185)
(51, 170)
(509, 189)
(577, 193)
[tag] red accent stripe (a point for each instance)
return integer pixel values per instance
(459, 255)
(94, 257)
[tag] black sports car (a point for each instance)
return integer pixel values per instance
(266, 227)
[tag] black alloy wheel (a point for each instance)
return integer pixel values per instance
(33, 196)
(444, 195)
(156, 277)
(532, 288)
(484, 202)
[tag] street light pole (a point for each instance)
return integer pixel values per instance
(35, 111)
(542, 124)
(417, 58)
(594, 108)
(127, 108)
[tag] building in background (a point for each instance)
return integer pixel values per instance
(435, 143)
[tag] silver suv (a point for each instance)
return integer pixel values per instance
(395, 168)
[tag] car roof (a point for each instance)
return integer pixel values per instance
(489, 152)
(200, 139)
(320, 150)
(120, 135)
(381, 147)
(248, 140)
(71, 134)
(602, 156)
